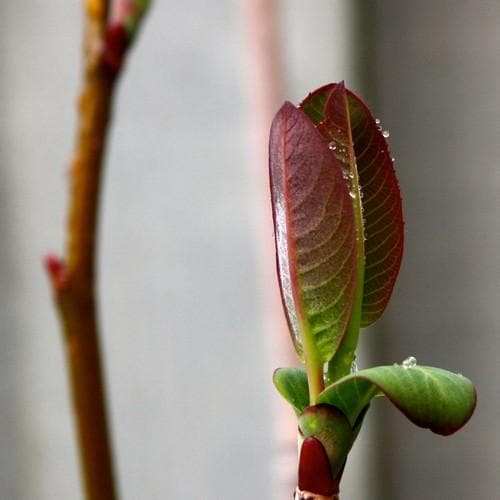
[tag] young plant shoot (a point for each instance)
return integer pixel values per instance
(339, 240)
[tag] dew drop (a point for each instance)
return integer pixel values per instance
(409, 362)
(377, 121)
(354, 367)
(393, 159)
(386, 133)
(332, 146)
(352, 194)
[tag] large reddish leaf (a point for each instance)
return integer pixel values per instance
(315, 235)
(381, 202)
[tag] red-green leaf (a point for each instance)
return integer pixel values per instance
(336, 128)
(315, 234)
(382, 210)
(384, 227)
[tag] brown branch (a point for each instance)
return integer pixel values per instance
(73, 279)
(106, 41)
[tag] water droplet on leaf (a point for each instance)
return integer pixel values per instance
(409, 362)
(354, 367)
(332, 146)
(386, 133)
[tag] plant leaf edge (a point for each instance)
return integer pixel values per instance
(428, 402)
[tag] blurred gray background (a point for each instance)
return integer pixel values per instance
(187, 354)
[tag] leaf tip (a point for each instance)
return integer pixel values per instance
(451, 429)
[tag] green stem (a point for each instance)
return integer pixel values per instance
(315, 379)
(314, 366)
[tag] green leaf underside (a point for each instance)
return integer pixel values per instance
(315, 234)
(292, 385)
(382, 208)
(430, 397)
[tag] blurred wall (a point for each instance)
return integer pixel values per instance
(436, 87)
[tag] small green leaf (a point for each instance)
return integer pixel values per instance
(292, 385)
(329, 426)
(430, 397)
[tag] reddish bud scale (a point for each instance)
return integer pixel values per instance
(314, 469)
(56, 269)
(116, 42)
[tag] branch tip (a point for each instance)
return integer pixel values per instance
(122, 28)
